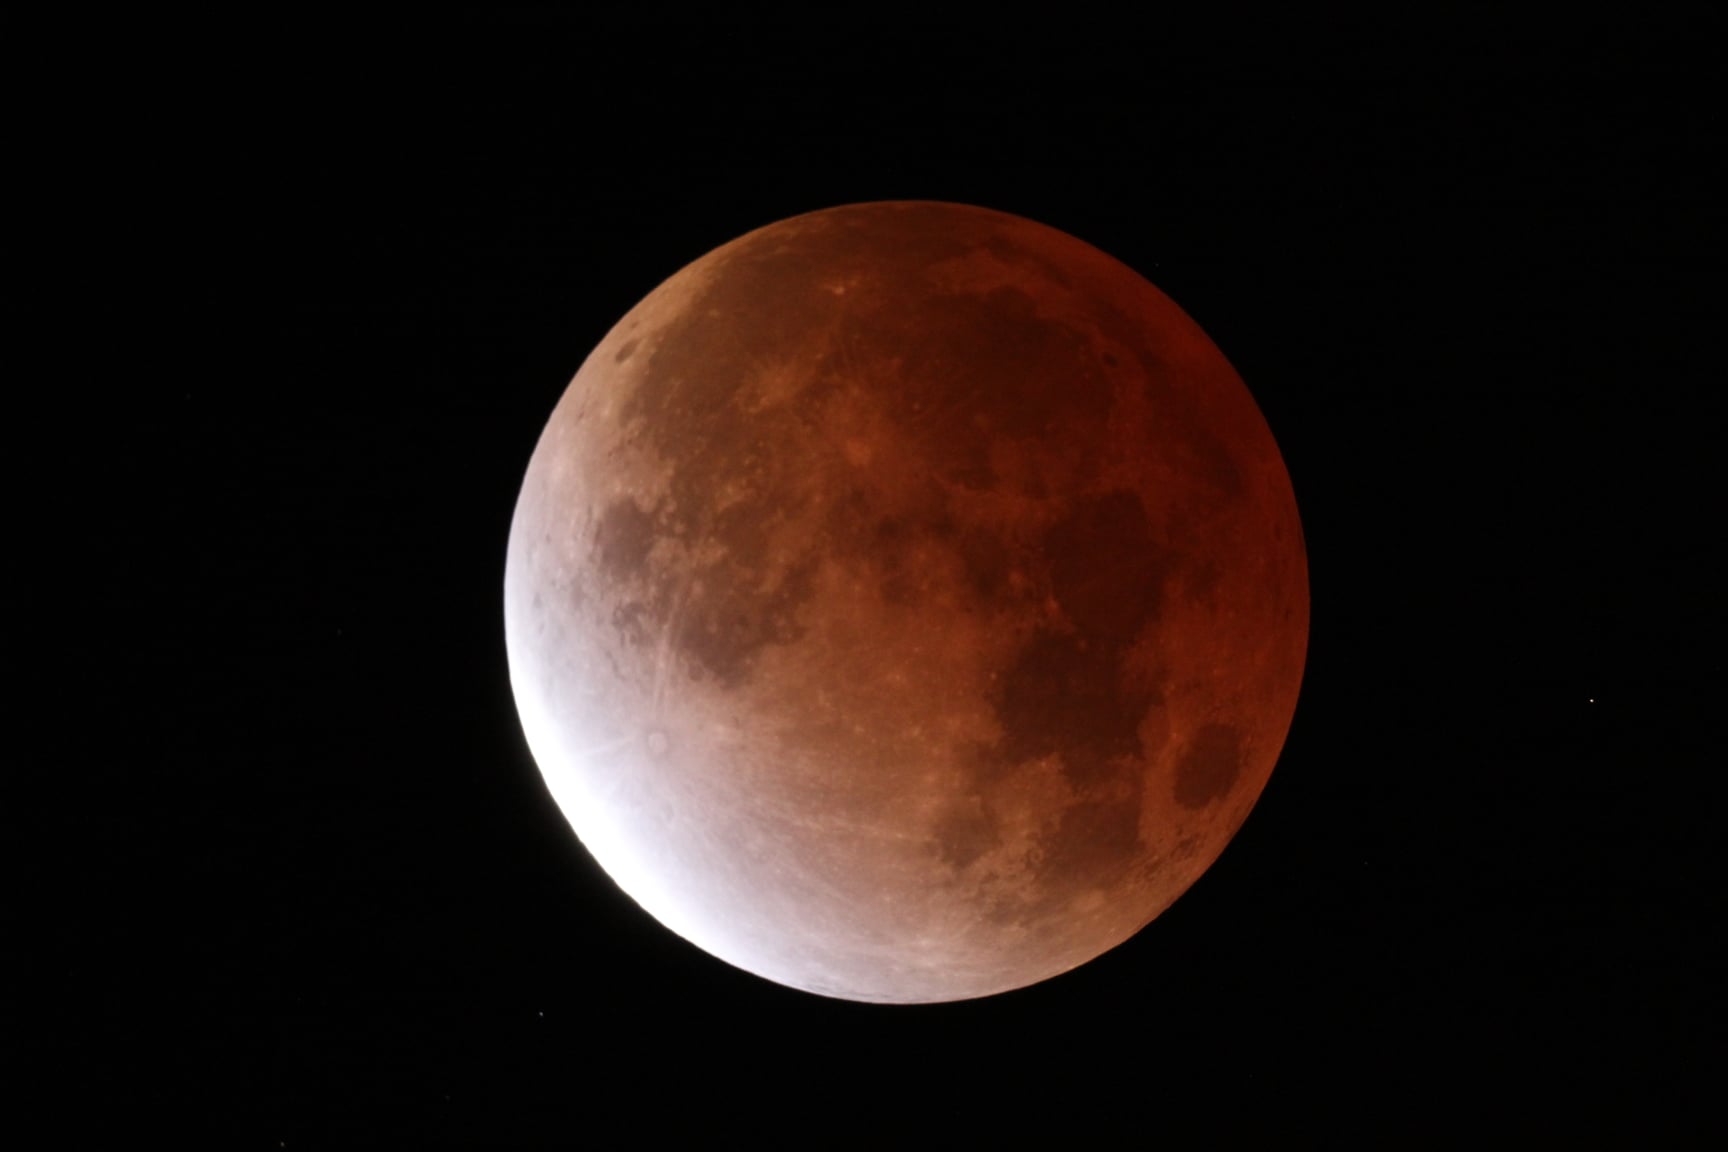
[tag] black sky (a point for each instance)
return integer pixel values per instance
(308, 887)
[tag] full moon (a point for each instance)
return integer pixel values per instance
(906, 602)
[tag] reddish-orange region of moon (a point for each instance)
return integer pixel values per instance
(906, 602)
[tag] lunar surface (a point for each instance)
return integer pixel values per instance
(906, 602)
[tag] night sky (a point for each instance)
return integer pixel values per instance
(307, 887)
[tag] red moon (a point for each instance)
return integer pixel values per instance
(906, 602)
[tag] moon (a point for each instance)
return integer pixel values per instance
(906, 602)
